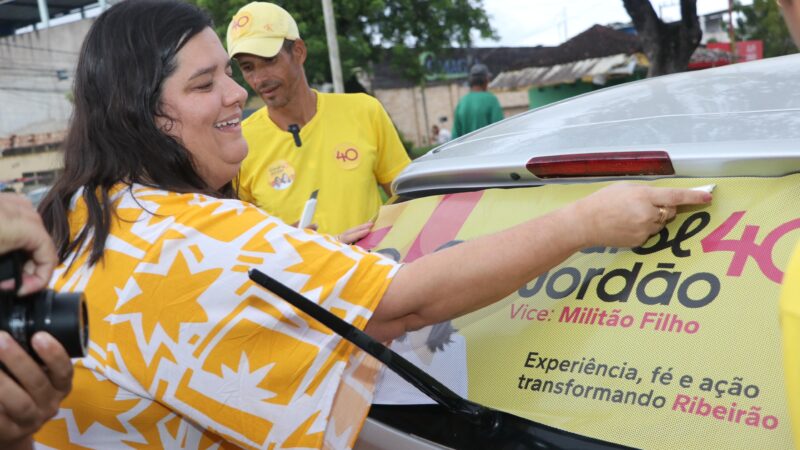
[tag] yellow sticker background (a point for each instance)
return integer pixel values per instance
(347, 155)
(738, 336)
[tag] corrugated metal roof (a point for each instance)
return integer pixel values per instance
(22, 13)
(594, 68)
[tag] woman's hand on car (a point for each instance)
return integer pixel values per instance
(455, 281)
(626, 215)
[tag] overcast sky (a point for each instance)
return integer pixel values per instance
(541, 22)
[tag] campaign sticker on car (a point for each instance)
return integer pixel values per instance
(674, 344)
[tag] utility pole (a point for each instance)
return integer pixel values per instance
(333, 46)
(731, 32)
(44, 13)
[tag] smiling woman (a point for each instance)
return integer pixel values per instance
(185, 351)
(203, 108)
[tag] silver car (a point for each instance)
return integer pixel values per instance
(675, 344)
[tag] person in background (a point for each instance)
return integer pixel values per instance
(789, 307)
(342, 145)
(29, 393)
(188, 351)
(479, 107)
(439, 135)
(790, 291)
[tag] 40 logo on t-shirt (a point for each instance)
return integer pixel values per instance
(347, 156)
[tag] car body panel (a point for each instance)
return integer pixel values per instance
(375, 435)
(737, 127)
(738, 120)
(701, 298)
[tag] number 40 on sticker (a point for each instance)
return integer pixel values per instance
(746, 247)
(350, 154)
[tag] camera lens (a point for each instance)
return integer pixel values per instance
(63, 315)
(66, 320)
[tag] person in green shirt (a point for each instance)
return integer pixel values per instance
(479, 107)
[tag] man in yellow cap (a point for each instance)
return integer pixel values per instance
(340, 145)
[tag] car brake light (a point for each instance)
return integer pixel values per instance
(601, 164)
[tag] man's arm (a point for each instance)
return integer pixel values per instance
(456, 125)
(392, 157)
(387, 187)
(497, 111)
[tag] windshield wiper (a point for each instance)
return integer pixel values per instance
(501, 429)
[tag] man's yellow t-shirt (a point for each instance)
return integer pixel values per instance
(790, 325)
(347, 149)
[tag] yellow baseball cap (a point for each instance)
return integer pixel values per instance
(259, 28)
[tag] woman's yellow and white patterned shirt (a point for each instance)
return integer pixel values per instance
(187, 352)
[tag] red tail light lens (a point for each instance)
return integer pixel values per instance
(601, 164)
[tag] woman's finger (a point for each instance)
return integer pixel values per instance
(677, 197)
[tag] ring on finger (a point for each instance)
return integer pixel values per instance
(662, 215)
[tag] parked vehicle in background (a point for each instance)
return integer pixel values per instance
(675, 344)
(36, 195)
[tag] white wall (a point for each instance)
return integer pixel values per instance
(15, 166)
(32, 98)
(405, 106)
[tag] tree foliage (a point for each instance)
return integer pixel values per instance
(367, 28)
(668, 46)
(762, 21)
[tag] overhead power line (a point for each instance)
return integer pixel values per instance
(28, 89)
(39, 49)
(30, 70)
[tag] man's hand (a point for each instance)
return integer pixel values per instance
(29, 393)
(22, 229)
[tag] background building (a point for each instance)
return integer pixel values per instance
(524, 77)
(37, 64)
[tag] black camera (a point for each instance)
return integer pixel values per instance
(63, 315)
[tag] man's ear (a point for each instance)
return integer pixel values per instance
(299, 50)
